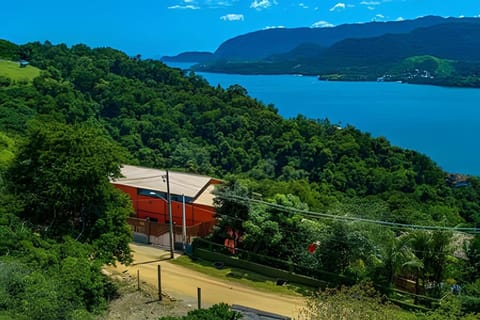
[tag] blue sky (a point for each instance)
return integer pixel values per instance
(154, 28)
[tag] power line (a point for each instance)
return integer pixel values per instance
(319, 215)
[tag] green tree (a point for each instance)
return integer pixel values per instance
(342, 247)
(431, 249)
(472, 249)
(230, 211)
(262, 233)
(395, 255)
(61, 174)
(219, 311)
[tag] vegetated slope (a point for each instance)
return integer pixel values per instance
(456, 44)
(166, 118)
(10, 54)
(13, 71)
(456, 41)
(370, 58)
(8, 50)
(262, 44)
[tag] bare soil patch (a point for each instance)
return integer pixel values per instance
(134, 304)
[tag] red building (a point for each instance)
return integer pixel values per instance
(148, 190)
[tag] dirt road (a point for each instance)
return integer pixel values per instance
(182, 284)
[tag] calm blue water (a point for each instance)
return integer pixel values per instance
(443, 123)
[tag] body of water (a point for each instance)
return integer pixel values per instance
(443, 123)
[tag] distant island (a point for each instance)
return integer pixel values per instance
(194, 56)
(427, 50)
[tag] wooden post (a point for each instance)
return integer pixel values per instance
(138, 279)
(199, 297)
(147, 221)
(159, 283)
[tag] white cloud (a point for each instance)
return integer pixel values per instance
(219, 3)
(262, 4)
(303, 5)
(370, 3)
(322, 24)
(232, 17)
(399, 19)
(190, 7)
(274, 27)
(338, 6)
(381, 16)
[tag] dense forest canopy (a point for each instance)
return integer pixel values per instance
(65, 132)
(166, 118)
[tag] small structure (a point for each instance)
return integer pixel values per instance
(458, 180)
(23, 63)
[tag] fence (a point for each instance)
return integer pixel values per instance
(268, 266)
(293, 272)
(145, 231)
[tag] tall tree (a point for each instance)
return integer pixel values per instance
(473, 253)
(395, 255)
(61, 174)
(230, 212)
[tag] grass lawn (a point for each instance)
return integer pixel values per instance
(242, 276)
(13, 71)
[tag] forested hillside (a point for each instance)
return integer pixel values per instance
(91, 109)
(363, 52)
(262, 44)
(167, 119)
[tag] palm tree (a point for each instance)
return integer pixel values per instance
(440, 249)
(397, 254)
(420, 243)
(416, 266)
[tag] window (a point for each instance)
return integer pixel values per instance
(163, 195)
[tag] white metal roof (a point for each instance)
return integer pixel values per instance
(190, 185)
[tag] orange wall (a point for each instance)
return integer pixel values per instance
(131, 191)
(157, 208)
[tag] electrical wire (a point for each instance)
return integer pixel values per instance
(319, 215)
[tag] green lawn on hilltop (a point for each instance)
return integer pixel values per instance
(440, 67)
(13, 71)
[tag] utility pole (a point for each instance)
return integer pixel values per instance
(169, 201)
(184, 224)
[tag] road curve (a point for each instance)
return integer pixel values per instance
(182, 283)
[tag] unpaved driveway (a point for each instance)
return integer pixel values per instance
(182, 284)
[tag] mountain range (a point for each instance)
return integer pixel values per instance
(365, 51)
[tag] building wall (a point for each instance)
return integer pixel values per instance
(131, 191)
(157, 209)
